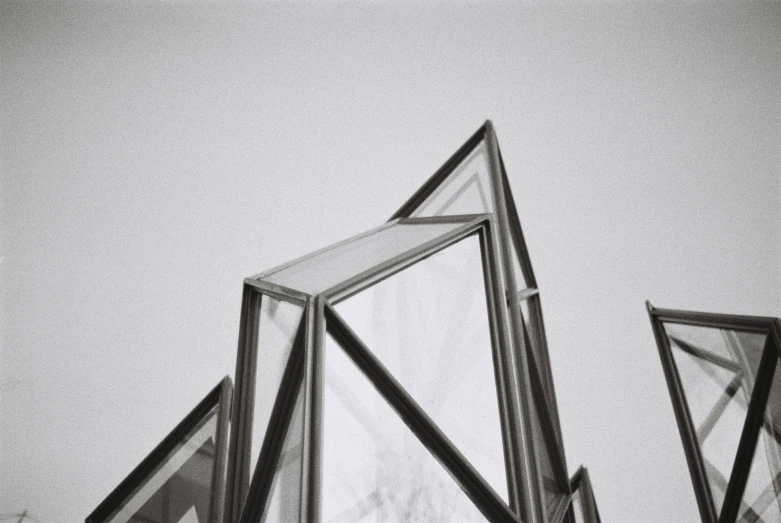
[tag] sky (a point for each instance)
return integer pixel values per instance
(153, 155)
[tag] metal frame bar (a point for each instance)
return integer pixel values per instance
(755, 416)
(389, 267)
(481, 493)
(219, 397)
(581, 481)
(237, 481)
(531, 500)
(278, 424)
(278, 291)
(442, 173)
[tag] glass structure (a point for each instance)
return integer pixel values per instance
(183, 479)
(403, 374)
(726, 394)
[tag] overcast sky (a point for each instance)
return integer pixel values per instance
(155, 154)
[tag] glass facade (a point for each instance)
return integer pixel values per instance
(726, 393)
(399, 375)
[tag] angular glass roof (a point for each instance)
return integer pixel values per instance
(322, 270)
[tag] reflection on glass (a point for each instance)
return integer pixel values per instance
(374, 468)
(180, 490)
(762, 497)
(550, 486)
(285, 502)
(325, 269)
(278, 323)
(428, 325)
(466, 190)
(717, 369)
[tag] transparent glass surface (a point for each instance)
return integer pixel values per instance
(285, 502)
(374, 468)
(466, 190)
(325, 269)
(762, 497)
(181, 489)
(717, 369)
(428, 325)
(278, 323)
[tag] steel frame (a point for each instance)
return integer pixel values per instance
(580, 481)
(219, 397)
(521, 379)
(755, 414)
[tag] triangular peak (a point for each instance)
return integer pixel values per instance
(474, 180)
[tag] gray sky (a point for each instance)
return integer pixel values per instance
(155, 154)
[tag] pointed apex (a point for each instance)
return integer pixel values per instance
(649, 306)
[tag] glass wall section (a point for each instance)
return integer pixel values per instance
(762, 497)
(725, 387)
(277, 325)
(182, 480)
(284, 504)
(429, 326)
(374, 468)
(181, 489)
(717, 369)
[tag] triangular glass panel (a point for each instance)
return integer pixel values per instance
(429, 326)
(284, 503)
(278, 323)
(322, 270)
(176, 482)
(374, 468)
(466, 190)
(718, 381)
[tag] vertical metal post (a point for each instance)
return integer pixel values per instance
(530, 495)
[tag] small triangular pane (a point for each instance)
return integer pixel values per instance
(374, 468)
(284, 505)
(762, 496)
(182, 487)
(466, 190)
(429, 326)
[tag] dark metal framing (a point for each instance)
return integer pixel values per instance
(755, 415)
(220, 397)
(580, 481)
(509, 240)
(501, 243)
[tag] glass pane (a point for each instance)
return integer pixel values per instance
(762, 497)
(466, 190)
(717, 369)
(181, 488)
(374, 468)
(325, 269)
(285, 502)
(277, 326)
(428, 325)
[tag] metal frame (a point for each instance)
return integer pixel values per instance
(520, 378)
(319, 317)
(509, 240)
(755, 414)
(220, 397)
(580, 481)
